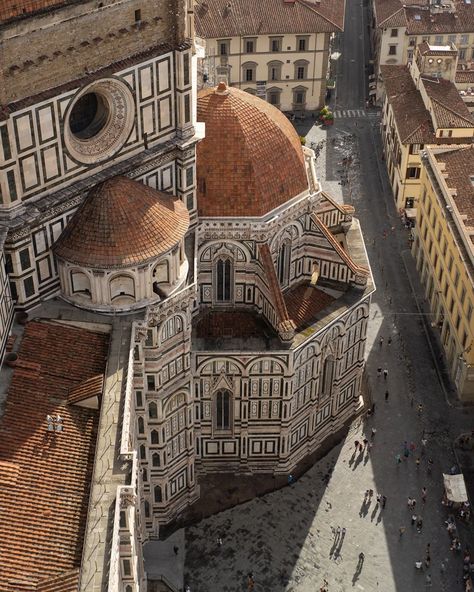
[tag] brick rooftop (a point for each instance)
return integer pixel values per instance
(44, 499)
(251, 160)
(122, 223)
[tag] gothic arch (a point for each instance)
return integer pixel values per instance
(210, 250)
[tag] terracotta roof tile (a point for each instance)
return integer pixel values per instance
(251, 160)
(448, 106)
(91, 387)
(412, 119)
(121, 223)
(419, 20)
(12, 8)
(304, 302)
(43, 514)
(459, 167)
(464, 76)
(8, 473)
(215, 19)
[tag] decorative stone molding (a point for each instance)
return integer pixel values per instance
(118, 100)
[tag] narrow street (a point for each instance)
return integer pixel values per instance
(289, 539)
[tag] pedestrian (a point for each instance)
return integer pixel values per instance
(386, 395)
(175, 549)
(398, 459)
(419, 524)
(356, 443)
(413, 503)
(401, 530)
(343, 532)
(418, 564)
(430, 466)
(361, 447)
(365, 441)
(417, 462)
(379, 498)
(381, 341)
(372, 433)
(428, 579)
(372, 410)
(412, 447)
(371, 493)
(424, 494)
(413, 519)
(384, 501)
(409, 500)
(337, 532)
(385, 374)
(390, 339)
(420, 409)
(219, 541)
(406, 453)
(379, 372)
(250, 581)
(427, 561)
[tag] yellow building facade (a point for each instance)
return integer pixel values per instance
(422, 106)
(444, 254)
(277, 50)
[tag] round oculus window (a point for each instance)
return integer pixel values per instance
(99, 121)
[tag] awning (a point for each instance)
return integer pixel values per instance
(455, 488)
(410, 213)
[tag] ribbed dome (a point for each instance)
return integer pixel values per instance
(121, 223)
(251, 160)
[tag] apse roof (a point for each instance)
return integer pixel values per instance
(122, 223)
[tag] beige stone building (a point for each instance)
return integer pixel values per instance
(444, 255)
(275, 49)
(398, 27)
(422, 106)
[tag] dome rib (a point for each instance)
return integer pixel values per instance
(251, 160)
(122, 223)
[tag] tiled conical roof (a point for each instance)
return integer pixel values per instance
(251, 160)
(122, 223)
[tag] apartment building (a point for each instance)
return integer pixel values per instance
(422, 106)
(398, 27)
(444, 255)
(275, 49)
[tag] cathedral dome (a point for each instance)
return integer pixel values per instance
(251, 160)
(122, 223)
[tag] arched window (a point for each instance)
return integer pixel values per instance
(156, 459)
(141, 425)
(142, 452)
(128, 588)
(327, 377)
(80, 283)
(147, 509)
(283, 263)
(154, 437)
(152, 410)
(122, 285)
(158, 494)
(223, 280)
(162, 273)
(223, 409)
(144, 475)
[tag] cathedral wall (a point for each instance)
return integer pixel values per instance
(82, 38)
(37, 151)
(30, 262)
(283, 404)
(164, 412)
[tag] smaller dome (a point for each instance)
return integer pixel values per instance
(122, 223)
